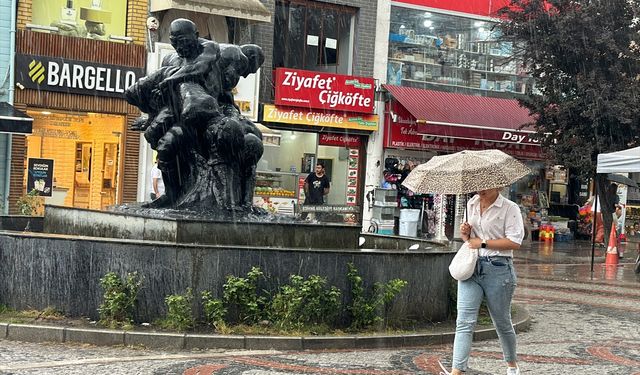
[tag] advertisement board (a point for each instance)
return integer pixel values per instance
(335, 92)
(92, 19)
(40, 176)
(299, 116)
(245, 95)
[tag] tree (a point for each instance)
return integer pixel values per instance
(584, 56)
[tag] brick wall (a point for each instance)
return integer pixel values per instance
(363, 55)
(137, 14)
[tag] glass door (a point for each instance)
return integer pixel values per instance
(82, 179)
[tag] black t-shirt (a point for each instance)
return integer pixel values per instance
(316, 188)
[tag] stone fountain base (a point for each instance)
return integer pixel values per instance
(61, 267)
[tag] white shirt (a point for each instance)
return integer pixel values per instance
(157, 174)
(500, 220)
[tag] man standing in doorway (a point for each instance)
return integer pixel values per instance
(316, 186)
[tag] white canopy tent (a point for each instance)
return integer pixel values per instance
(624, 161)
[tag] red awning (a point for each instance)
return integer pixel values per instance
(455, 115)
(446, 108)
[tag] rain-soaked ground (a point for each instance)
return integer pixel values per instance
(582, 323)
(571, 260)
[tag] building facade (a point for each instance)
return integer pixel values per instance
(73, 61)
(450, 84)
(330, 45)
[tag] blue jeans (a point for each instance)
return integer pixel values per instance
(495, 280)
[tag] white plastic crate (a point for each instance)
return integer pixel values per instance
(381, 213)
(386, 198)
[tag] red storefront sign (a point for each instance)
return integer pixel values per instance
(401, 131)
(508, 136)
(340, 140)
(400, 115)
(302, 88)
(479, 7)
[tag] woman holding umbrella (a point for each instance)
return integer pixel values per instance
(493, 225)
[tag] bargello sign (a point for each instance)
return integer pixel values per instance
(333, 92)
(72, 76)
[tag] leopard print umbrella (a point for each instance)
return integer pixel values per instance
(465, 172)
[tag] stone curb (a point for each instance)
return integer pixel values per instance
(160, 340)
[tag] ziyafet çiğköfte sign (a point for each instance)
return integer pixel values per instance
(72, 76)
(334, 92)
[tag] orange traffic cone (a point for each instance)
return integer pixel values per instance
(612, 250)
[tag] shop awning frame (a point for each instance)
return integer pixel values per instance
(14, 121)
(252, 10)
(454, 115)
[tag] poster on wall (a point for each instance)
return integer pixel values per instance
(40, 176)
(91, 19)
(352, 177)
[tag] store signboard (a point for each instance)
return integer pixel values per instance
(480, 7)
(299, 116)
(72, 76)
(406, 136)
(403, 131)
(333, 92)
(336, 209)
(339, 140)
(494, 135)
(40, 176)
(91, 19)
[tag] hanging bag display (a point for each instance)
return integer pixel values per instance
(463, 263)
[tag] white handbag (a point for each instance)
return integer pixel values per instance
(464, 262)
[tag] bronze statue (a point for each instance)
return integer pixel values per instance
(207, 151)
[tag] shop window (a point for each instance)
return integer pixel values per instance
(429, 50)
(313, 36)
(91, 19)
(85, 149)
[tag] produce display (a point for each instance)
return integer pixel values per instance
(274, 192)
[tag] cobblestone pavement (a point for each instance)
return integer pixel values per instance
(582, 324)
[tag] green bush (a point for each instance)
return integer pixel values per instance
(241, 297)
(30, 204)
(4, 309)
(179, 312)
(305, 303)
(214, 311)
(119, 299)
(365, 308)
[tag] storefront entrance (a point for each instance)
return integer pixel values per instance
(293, 155)
(85, 148)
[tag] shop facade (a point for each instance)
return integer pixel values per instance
(411, 138)
(72, 66)
(323, 49)
(452, 85)
(316, 118)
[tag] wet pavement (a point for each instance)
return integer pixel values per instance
(583, 323)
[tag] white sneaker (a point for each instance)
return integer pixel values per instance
(444, 370)
(513, 370)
